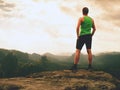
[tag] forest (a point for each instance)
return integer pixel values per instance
(15, 63)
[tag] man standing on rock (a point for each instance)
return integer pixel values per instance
(84, 36)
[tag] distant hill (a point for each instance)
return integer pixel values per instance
(29, 63)
(21, 56)
(34, 56)
(109, 62)
(112, 58)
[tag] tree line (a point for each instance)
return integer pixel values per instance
(11, 66)
(16, 63)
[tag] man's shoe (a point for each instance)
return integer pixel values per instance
(90, 67)
(74, 68)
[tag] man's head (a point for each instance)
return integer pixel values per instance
(85, 11)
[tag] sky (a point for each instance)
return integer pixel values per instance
(41, 26)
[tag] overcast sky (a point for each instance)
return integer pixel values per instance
(40, 26)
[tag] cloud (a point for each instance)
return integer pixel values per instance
(54, 33)
(6, 8)
(71, 8)
(110, 10)
(69, 11)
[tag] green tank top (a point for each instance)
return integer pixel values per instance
(86, 26)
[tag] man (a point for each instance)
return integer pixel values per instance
(84, 36)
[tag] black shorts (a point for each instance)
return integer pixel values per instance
(85, 39)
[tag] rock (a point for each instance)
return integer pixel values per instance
(10, 87)
(66, 80)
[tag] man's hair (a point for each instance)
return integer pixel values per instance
(85, 11)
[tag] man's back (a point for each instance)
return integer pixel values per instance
(86, 26)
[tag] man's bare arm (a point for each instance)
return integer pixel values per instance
(78, 26)
(94, 28)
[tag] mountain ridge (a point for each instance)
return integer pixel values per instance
(29, 63)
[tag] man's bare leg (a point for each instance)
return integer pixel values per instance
(76, 60)
(89, 58)
(77, 56)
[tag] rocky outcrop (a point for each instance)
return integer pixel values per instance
(81, 80)
(65, 80)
